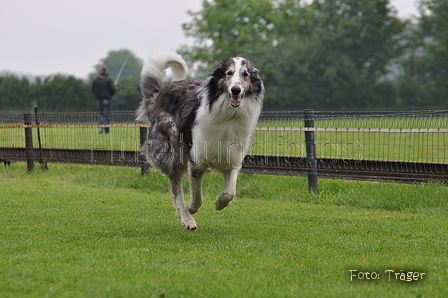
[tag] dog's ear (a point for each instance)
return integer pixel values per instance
(225, 64)
(253, 70)
(254, 74)
(219, 72)
(226, 61)
(256, 82)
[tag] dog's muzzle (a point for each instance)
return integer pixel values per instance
(235, 97)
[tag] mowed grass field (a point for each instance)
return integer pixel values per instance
(94, 231)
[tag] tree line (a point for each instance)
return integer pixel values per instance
(62, 93)
(65, 93)
(345, 54)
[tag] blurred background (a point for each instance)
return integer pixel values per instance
(327, 55)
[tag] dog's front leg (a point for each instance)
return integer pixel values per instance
(196, 175)
(226, 197)
(179, 203)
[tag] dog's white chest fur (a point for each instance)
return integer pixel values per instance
(221, 135)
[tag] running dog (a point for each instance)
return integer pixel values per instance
(197, 125)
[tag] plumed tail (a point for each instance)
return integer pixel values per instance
(151, 79)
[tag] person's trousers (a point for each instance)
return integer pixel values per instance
(104, 108)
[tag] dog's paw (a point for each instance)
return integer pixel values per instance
(193, 209)
(189, 224)
(223, 201)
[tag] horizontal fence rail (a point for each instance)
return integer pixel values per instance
(400, 146)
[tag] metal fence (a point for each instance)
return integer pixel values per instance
(402, 146)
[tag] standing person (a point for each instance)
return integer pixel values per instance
(103, 87)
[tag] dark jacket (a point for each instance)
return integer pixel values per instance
(103, 87)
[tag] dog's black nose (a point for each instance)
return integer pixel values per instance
(235, 90)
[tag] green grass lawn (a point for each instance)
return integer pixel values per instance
(93, 231)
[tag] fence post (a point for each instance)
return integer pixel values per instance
(310, 150)
(42, 161)
(145, 165)
(29, 142)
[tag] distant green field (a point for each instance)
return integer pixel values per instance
(388, 145)
(366, 122)
(393, 145)
(82, 137)
(357, 145)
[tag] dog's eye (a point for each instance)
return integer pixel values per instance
(229, 73)
(245, 74)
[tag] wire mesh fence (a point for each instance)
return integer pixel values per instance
(396, 136)
(409, 146)
(72, 131)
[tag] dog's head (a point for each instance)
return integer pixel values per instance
(238, 78)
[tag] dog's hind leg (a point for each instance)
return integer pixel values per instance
(179, 203)
(196, 176)
(226, 197)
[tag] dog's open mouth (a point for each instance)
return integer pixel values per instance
(235, 100)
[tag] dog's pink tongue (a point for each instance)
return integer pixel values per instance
(235, 100)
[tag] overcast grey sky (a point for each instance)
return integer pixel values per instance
(42, 37)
